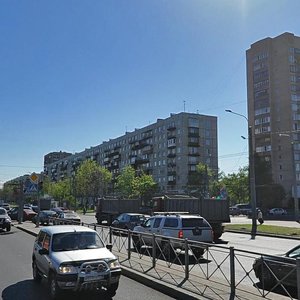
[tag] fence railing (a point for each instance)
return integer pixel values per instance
(210, 270)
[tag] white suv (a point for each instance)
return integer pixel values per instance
(180, 226)
(74, 258)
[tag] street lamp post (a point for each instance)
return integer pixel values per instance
(251, 174)
(294, 184)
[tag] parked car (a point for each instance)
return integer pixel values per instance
(67, 217)
(35, 208)
(277, 212)
(5, 221)
(234, 211)
(182, 226)
(244, 208)
(270, 269)
(28, 214)
(74, 258)
(45, 217)
(58, 209)
(128, 220)
(6, 206)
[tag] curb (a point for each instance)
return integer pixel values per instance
(160, 286)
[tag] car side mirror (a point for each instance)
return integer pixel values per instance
(109, 247)
(43, 251)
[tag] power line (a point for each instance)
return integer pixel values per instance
(8, 166)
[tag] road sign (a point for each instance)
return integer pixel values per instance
(31, 188)
(34, 178)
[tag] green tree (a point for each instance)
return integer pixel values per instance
(92, 180)
(125, 182)
(237, 186)
(199, 181)
(144, 186)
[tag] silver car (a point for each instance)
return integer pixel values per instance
(177, 226)
(74, 258)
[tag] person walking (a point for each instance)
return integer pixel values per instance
(260, 217)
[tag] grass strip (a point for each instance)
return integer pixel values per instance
(269, 229)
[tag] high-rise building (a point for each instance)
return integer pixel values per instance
(169, 150)
(273, 88)
(55, 156)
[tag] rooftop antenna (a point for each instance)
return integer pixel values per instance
(184, 105)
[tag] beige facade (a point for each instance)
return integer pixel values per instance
(273, 91)
(168, 149)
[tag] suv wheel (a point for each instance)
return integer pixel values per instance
(8, 227)
(54, 289)
(167, 250)
(198, 252)
(35, 273)
(111, 291)
(136, 242)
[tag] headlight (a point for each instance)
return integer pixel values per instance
(67, 269)
(114, 264)
(7, 220)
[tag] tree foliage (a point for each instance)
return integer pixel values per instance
(199, 182)
(237, 186)
(92, 180)
(129, 185)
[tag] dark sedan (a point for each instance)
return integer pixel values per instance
(128, 220)
(45, 217)
(278, 269)
(67, 217)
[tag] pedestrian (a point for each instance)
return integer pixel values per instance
(260, 217)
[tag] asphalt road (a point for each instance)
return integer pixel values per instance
(16, 277)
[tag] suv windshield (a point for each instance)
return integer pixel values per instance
(194, 222)
(76, 240)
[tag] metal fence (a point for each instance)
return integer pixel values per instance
(209, 270)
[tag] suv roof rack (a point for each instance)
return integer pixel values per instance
(168, 213)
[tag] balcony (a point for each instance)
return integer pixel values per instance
(171, 134)
(171, 127)
(171, 155)
(141, 160)
(147, 149)
(139, 145)
(172, 173)
(194, 154)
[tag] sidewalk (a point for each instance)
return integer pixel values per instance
(163, 287)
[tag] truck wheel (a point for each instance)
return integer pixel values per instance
(8, 227)
(112, 289)
(35, 273)
(55, 291)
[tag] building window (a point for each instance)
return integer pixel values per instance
(261, 111)
(193, 122)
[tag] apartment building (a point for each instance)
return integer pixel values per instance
(273, 90)
(169, 150)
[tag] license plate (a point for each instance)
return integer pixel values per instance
(93, 278)
(197, 231)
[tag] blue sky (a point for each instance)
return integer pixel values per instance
(76, 73)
